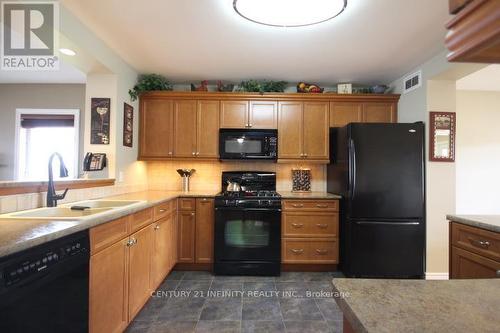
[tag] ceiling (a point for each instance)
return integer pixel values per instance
(190, 40)
(486, 79)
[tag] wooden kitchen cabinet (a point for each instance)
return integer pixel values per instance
(343, 113)
(316, 131)
(186, 236)
(379, 113)
(207, 136)
(185, 113)
(162, 258)
(474, 32)
(474, 252)
(234, 114)
(205, 216)
(141, 247)
(303, 131)
(263, 115)
(108, 289)
(156, 134)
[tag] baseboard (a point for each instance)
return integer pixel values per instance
(436, 276)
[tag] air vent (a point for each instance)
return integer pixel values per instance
(412, 82)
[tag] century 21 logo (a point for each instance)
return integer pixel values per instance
(29, 35)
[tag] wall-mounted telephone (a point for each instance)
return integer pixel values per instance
(94, 162)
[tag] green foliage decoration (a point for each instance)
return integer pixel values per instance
(149, 82)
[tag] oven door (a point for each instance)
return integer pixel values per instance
(247, 234)
(247, 144)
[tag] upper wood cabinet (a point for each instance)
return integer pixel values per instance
(185, 121)
(343, 113)
(234, 114)
(474, 32)
(156, 135)
(204, 230)
(249, 114)
(207, 137)
(303, 130)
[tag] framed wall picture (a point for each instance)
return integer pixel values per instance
(442, 131)
(128, 125)
(99, 121)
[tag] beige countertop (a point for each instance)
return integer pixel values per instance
(488, 222)
(20, 234)
(308, 195)
(378, 305)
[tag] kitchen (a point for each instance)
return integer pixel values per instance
(253, 206)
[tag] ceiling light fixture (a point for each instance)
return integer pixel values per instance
(289, 13)
(68, 52)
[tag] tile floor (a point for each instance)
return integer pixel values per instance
(200, 302)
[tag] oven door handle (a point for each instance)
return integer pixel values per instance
(241, 209)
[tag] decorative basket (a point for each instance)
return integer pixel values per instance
(301, 180)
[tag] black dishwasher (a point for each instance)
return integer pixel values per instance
(46, 288)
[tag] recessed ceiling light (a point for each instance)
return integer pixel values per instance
(289, 13)
(68, 52)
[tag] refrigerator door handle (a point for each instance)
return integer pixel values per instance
(352, 152)
(387, 223)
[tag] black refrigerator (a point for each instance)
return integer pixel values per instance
(379, 169)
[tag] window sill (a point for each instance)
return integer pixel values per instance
(13, 187)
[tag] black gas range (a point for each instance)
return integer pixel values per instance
(248, 226)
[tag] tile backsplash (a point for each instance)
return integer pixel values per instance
(163, 175)
(12, 203)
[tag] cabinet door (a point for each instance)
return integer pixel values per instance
(156, 128)
(162, 251)
(186, 236)
(207, 137)
(468, 265)
(109, 289)
(263, 115)
(379, 113)
(234, 114)
(185, 128)
(342, 113)
(174, 240)
(316, 130)
(204, 230)
(139, 269)
(290, 130)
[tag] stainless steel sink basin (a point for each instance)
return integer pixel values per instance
(103, 203)
(63, 213)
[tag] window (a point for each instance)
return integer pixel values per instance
(39, 133)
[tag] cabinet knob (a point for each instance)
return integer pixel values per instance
(250, 125)
(246, 125)
(170, 153)
(479, 243)
(157, 227)
(194, 154)
(297, 251)
(163, 210)
(305, 155)
(192, 214)
(197, 153)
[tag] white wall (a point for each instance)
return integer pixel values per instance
(478, 152)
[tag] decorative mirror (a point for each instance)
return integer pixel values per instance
(442, 136)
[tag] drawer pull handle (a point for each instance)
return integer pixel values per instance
(297, 205)
(297, 251)
(322, 206)
(321, 252)
(479, 243)
(163, 210)
(132, 242)
(322, 226)
(297, 225)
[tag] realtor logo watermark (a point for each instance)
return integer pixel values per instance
(29, 36)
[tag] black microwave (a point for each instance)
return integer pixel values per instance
(248, 144)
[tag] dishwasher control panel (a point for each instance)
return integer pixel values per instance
(34, 262)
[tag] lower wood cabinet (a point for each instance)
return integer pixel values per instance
(186, 248)
(205, 216)
(108, 288)
(310, 232)
(474, 252)
(126, 265)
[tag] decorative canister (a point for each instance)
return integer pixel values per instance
(301, 180)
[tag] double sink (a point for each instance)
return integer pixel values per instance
(80, 210)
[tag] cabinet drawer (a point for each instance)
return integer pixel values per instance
(163, 209)
(482, 242)
(109, 233)
(316, 205)
(141, 219)
(305, 251)
(468, 265)
(304, 224)
(187, 204)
